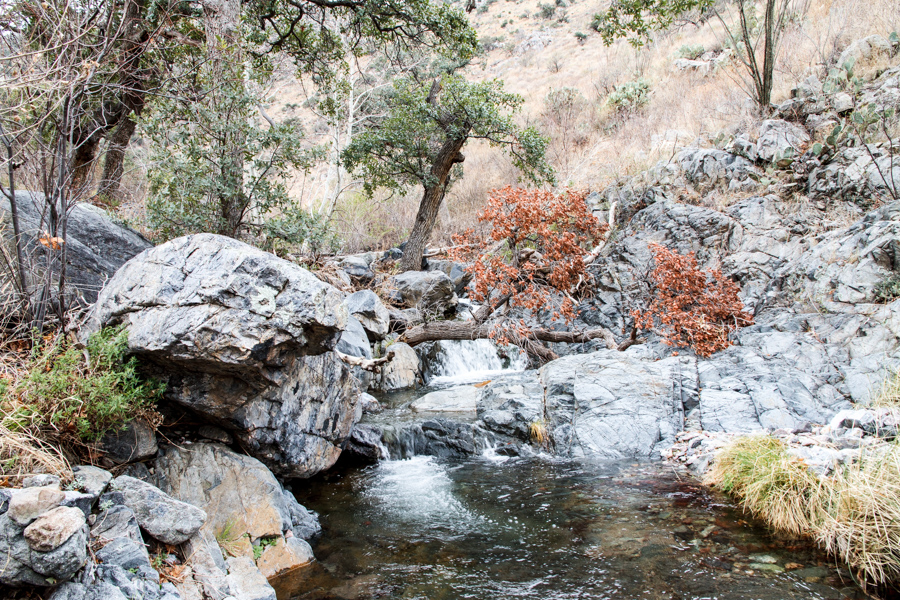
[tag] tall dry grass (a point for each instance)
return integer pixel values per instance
(854, 513)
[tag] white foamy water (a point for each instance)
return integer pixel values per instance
(418, 491)
(468, 361)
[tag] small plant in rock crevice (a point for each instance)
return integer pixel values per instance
(696, 309)
(888, 289)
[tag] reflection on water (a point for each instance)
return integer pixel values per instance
(487, 529)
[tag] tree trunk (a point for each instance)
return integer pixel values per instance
(222, 28)
(472, 330)
(114, 162)
(448, 156)
(765, 98)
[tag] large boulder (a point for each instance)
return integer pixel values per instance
(159, 514)
(237, 492)
(243, 338)
(402, 372)
(96, 246)
(429, 291)
(615, 405)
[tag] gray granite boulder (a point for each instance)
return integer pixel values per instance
(429, 291)
(236, 491)
(244, 339)
(96, 246)
(402, 372)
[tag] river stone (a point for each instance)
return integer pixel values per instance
(365, 443)
(354, 342)
(511, 405)
(101, 590)
(53, 528)
(372, 314)
(42, 480)
(64, 561)
(455, 271)
(160, 515)
(204, 558)
(246, 582)
(429, 291)
(92, 480)
(237, 492)
(15, 557)
(124, 552)
(402, 372)
(96, 246)
(243, 338)
(28, 504)
(457, 399)
(115, 522)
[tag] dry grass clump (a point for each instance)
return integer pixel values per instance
(770, 483)
(889, 394)
(862, 523)
(853, 513)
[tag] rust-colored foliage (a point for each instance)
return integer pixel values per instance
(698, 309)
(534, 251)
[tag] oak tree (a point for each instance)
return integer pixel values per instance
(420, 141)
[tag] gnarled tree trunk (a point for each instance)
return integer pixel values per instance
(431, 203)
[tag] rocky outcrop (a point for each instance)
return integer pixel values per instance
(96, 246)
(243, 338)
(237, 492)
(161, 516)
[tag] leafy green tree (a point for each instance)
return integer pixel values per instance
(420, 141)
(219, 164)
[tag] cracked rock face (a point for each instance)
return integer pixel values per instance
(243, 338)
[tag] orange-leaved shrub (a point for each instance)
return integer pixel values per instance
(695, 308)
(533, 252)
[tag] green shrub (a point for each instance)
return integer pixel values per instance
(580, 36)
(691, 52)
(297, 230)
(81, 394)
(546, 11)
(888, 288)
(629, 96)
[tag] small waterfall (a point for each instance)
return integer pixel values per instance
(467, 360)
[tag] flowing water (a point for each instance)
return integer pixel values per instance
(493, 527)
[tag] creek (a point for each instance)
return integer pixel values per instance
(494, 527)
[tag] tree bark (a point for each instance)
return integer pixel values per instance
(472, 330)
(448, 156)
(113, 165)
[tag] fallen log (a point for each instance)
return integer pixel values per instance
(472, 330)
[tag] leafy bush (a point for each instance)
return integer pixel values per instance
(546, 11)
(78, 396)
(888, 289)
(545, 237)
(691, 52)
(298, 230)
(580, 36)
(697, 309)
(629, 96)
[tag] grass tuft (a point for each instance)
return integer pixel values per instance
(853, 513)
